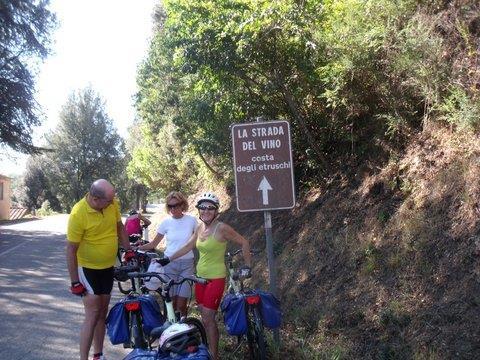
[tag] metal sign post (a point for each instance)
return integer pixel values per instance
(272, 274)
(262, 156)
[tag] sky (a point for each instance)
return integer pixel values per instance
(98, 43)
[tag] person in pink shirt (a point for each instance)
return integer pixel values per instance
(133, 225)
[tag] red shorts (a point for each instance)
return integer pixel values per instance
(210, 295)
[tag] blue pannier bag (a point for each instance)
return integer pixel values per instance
(141, 354)
(201, 354)
(234, 314)
(117, 324)
(151, 315)
(270, 308)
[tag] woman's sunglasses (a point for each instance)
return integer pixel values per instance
(173, 206)
(206, 207)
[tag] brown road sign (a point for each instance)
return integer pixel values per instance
(262, 157)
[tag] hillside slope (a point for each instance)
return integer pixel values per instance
(383, 262)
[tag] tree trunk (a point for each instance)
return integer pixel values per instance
(294, 108)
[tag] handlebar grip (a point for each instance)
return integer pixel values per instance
(126, 268)
(134, 274)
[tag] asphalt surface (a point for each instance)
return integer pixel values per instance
(39, 318)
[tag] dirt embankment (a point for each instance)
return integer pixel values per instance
(383, 262)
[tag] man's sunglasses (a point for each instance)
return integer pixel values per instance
(173, 206)
(206, 207)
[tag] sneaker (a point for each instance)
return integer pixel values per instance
(101, 357)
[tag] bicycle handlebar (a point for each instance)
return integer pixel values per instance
(170, 282)
(237, 276)
(150, 253)
(126, 268)
(230, 255)
(120, 273)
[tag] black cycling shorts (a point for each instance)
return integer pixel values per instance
(97, 281)
(134, 238)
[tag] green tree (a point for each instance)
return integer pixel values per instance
(18, 190)
(212, 64)
(86, 146)
(353, 77)
(160, 162)
(25, 26)
(37, 186)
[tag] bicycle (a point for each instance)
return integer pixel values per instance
(139, 263)
(132, 301)
(135, 306)
(249, 324)
(193, 338)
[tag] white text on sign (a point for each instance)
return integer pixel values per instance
(263, 167)
(261, 132)
(265, 144)
(258, 133)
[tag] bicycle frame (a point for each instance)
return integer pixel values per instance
(165, 293)
(235, 284)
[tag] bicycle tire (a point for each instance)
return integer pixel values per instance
(199, 325)
(137, 337)
(256, 335)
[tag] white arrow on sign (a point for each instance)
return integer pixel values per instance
(264, 187)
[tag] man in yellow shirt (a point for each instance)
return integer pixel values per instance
(94, 229)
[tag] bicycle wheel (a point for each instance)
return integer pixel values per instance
(136, 331)
(255, 335)
(199, 325)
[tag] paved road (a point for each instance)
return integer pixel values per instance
(40, 319)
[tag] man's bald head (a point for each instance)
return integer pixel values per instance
(103, 191)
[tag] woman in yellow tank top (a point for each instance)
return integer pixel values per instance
(210, 239)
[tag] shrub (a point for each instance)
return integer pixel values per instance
(45, 209)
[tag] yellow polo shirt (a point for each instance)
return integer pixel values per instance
(96, 232)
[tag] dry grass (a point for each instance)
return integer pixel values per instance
(386, 267)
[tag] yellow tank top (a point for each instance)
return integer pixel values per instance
(211, 262)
